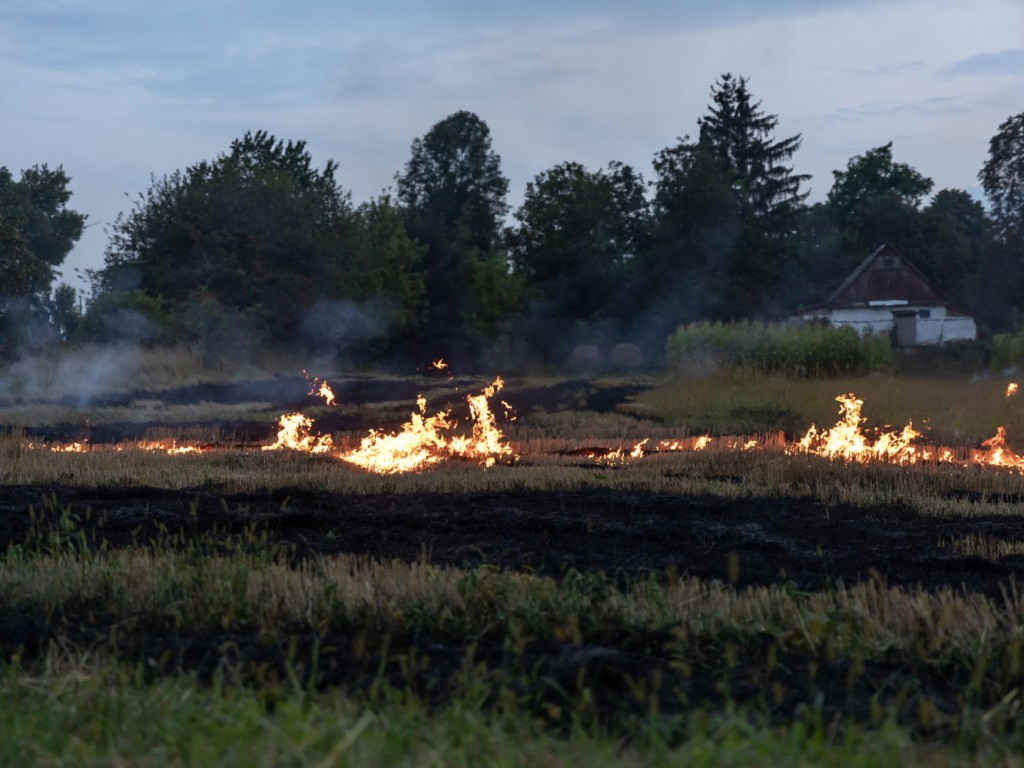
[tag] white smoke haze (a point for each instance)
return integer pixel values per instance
(332, 328)
(77, 375)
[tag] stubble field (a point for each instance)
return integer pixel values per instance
(723, 600)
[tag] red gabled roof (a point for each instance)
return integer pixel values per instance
(885, 275)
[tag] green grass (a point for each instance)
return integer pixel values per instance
(88, 714)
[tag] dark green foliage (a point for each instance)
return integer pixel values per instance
(240, 250)
(805, 351)
(741, 135)
(454, 194)
(37, 230)
(259, 247)
(1001, 281)
(877, 200)
(725, 214)
(1002, 177)
(578, 234)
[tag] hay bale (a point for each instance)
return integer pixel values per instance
(626, 356)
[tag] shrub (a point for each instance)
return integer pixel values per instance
(805, 351)
(1006, 351)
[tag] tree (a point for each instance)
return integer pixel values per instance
(726, 215)
(684, 275)
(37, 231)
(742, 136)
(1002, 178)
(241, 249)
(874, 201)
(872, 181)
(455, 196)
(65, 311)
(577, 235)
(955, 242)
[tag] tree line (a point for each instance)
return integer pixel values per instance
(259, 248)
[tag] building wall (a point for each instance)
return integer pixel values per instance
(938, 328)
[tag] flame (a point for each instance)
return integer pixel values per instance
(70, 447)
(439, 364)
(426, 440)
(420, 443)
(326, 393)
(487, 442)
(999, 453)
(423, 440)
(846, 440)
(672, 446)
(323, 390)
(170, 447)
(294, 434)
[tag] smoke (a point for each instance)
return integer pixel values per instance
(77, 376)
(333, 329)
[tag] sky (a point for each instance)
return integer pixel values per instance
(120, 91)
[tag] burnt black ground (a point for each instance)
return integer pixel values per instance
(626, 535)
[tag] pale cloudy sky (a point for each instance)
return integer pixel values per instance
(117, 90)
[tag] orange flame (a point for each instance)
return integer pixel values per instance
(423, 441)
(420, 444)
(439, 364)
(294, 434)
(1011, 389)
(170, 447)
(999, 453)
(323, 390)
(70, 447)
(846, 440)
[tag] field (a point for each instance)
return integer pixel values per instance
(721, 601)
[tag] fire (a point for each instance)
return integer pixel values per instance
(294, 434)
(70, 447)
(487, 442)
(170, 447)
(326, 393)
(846, 440)
(324, 390)
(426, 440)
(999, 453)
(423, 440)
(420, 443)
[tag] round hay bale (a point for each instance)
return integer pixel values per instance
(626, 356)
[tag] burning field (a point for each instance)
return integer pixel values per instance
(599, 568)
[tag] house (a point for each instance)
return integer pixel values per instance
(888, 294)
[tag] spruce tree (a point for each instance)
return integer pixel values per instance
(742, 135)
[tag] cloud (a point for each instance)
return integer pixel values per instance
(929, 107)
(1003, 63)
(898, 69)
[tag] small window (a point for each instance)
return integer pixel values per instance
(888, 262)
(924, 314)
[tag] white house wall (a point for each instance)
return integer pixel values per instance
(936, 329)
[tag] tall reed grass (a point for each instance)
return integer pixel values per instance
(802, 351)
